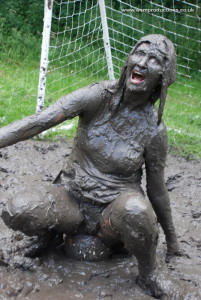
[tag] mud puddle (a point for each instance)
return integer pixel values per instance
(54, 276)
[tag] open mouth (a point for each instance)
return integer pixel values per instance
(136, 77)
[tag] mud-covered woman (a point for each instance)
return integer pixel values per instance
(99, 191)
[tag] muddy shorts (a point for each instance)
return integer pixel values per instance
(91, 211)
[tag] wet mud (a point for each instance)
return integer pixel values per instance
(53, 275)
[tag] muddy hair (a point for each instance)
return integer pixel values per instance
(166, 48)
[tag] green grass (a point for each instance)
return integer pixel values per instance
(18, 93)
(18, 90)
(183, 118)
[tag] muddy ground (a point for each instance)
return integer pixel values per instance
(54, 276)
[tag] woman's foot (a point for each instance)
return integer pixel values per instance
(157, 286)
(160, 287)
(173, 249)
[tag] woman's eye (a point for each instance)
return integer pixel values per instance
(153, 60)
(139, 53)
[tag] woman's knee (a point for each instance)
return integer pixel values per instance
(37, 210)
(131, 212)
(23, 211)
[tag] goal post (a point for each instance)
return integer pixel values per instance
(106, 39)
(48, 6)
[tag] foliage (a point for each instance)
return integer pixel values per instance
(25, 16)
(21, 24)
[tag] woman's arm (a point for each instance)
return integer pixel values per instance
(155, 159)
(84, 100)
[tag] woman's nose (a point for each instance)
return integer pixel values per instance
(143, 62)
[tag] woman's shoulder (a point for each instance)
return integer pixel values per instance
(109, 84)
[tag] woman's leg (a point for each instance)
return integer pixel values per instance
(131, 219)
(43, 211)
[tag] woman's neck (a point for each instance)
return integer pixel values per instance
(134, 100)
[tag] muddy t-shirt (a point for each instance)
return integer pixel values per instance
(110, 149)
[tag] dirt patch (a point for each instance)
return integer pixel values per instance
(54, 276)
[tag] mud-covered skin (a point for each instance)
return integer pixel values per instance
(116, 136)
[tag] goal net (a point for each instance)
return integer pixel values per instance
(76, 51)
(77, 54)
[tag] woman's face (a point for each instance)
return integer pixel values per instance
(144, 69)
